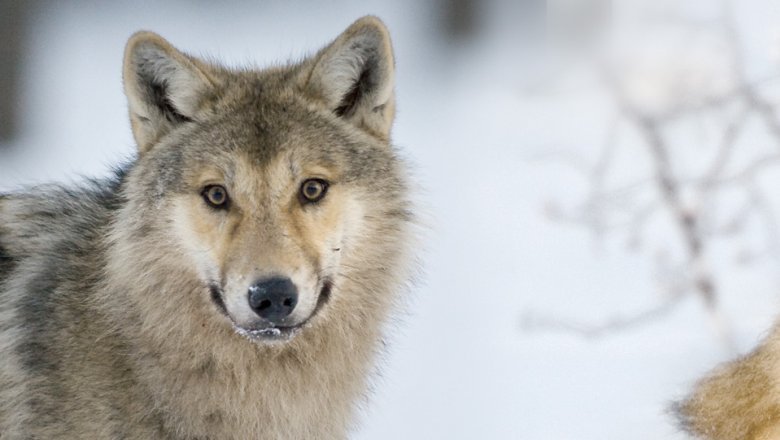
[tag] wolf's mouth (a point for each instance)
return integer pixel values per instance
(272, 332)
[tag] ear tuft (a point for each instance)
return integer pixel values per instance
(164, 87)
(354, 76)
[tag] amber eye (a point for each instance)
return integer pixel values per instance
(313, 190)
(216, 196)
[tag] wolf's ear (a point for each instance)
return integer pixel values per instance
(164, 87)
(354, 76)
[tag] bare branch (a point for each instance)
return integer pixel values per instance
(531, 321)
(691, 202)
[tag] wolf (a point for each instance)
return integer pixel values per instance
(739, 400)
(233, 280)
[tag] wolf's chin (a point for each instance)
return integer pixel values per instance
(269, 334)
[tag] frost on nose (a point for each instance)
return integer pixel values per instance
(273, 299)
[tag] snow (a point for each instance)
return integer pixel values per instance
(460, 365)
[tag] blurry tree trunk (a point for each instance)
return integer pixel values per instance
(459, 18)
(12, 14)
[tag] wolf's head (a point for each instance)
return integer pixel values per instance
(277, 189)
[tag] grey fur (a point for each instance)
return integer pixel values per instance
(107, 331)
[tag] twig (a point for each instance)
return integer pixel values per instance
(532, 322)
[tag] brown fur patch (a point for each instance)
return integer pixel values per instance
(740, 400)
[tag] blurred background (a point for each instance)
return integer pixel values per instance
(599, 179)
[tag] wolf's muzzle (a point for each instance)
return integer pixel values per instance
(273, 299)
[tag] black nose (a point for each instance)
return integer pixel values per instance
(273, 299)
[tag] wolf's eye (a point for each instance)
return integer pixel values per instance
(313, 190)
(216, 196)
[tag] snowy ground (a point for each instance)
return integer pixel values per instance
(460, 366)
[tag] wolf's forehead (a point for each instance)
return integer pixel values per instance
(284, 166)
(286, 153)
(279, 135)
(263, 125)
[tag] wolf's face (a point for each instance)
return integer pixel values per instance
(263, 180)
(265, 223)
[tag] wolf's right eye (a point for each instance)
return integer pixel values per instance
(313, 190)
(215, 196)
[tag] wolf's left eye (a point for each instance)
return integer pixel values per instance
(216, 196)
(313, 190)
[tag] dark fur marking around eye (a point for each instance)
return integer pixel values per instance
(163, 102)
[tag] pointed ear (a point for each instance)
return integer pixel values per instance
(354, 77)
(164, 87)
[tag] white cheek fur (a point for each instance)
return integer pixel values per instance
(198, 252)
